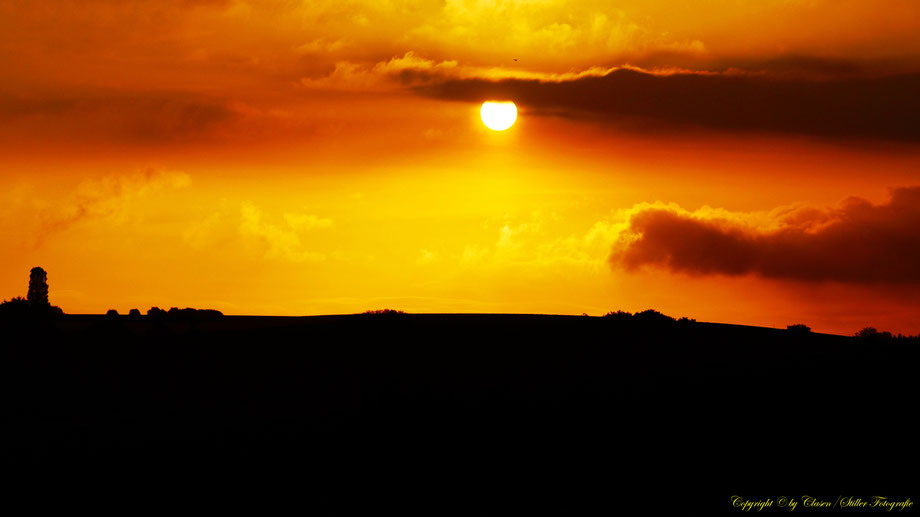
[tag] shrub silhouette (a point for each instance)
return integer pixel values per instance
(799, 328)
(111, 313)
(652, 316)
(867, 332)
(188, 313)
(390, 312)
(18, 307)
(156, 312)
(873, 333)
(134, 313)
(619, 316)
(649, 316)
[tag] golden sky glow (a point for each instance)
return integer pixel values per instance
(277, 157)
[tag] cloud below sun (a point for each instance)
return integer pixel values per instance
(857, 242)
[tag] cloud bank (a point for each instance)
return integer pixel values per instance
(133, 117)
(867, 107)
(857, 242)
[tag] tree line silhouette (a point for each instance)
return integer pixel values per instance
(651, 317)
(36, 304)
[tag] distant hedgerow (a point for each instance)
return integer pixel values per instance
(873, 333)
(619, 315)
(186, 313)
(383, 311)
(649, 316)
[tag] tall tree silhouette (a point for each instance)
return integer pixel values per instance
(38, 287)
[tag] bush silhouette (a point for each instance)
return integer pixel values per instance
(16, 308)
(652, 316)
(134, 313)
(873, 333)
(187, 313)
(619, 316)
(390, 312)
(799, 328)
(646, 317)
(156, 312)
(111, 313)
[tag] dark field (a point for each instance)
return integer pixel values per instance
(449, 414)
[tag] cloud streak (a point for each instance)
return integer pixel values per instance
(133, 117)
(105, 197)
(413, 70)
(857, 242)
(876, 108)
(281, 241)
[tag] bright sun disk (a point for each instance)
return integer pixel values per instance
(498, 116)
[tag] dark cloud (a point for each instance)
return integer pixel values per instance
(885, 107)
(856, 243)
(790, 66)
(161, 116)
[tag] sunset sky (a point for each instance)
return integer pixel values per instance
(751, 162)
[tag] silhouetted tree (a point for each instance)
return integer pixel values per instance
(873, 333)
(38, 287)
(111, 313)
(619, 316)
(799, 328)
(649, 317)
(156, 312)
(652, 316)
(867, 332)
(134, 313)
(390, 312)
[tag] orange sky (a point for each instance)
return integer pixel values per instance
(327, 157)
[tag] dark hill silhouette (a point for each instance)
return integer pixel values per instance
(469, 414)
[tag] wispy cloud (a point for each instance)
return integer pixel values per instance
(281, 241)
(105, 197)
(412, 70)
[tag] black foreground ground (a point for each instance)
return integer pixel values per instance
(448, 414)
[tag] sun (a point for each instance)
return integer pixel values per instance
(498, 116)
